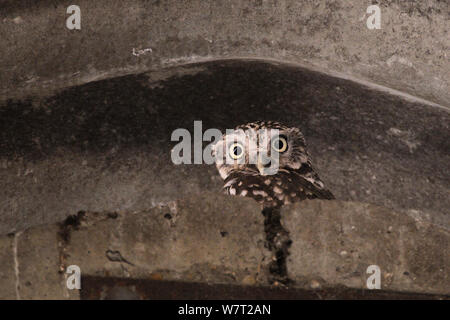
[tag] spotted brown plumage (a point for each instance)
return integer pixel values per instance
(295, 179)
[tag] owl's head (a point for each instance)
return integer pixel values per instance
(260, 148)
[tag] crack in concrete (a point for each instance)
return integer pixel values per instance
(72, 222)
(16, 264)
(278, 242)
(116, 256)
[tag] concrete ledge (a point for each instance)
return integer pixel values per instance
(221, 240)
(334, 242)
(204, 238)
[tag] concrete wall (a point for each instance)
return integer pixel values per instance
(221, 240)
(103, 147)
(408, 53)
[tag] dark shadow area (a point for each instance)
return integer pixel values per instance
(96, 288)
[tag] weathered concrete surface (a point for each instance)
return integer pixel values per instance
(38, 264)
(105, 146)
(205, 238)
(218, 239)
(30, 263)
(335, 242)
(210, 239)
(408, 53)
(8, 268)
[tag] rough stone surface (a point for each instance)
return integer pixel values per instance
(30, 263)
(216, 239)
(38, 260)
(335, 242)
(408, 53)
(105, 145)
(7, 269)
(210, 238)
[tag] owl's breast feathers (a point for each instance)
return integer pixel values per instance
(276, 190)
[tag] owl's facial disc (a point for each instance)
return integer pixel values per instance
(260, 151)
(272, 153)
(294, 155)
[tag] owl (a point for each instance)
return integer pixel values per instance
(268, 162)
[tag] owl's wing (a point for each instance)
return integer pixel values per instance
(279, 189)
(313, 190)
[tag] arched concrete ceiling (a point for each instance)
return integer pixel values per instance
(409, 53)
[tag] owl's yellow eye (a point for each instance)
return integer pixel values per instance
(279, 144)
(236, 151)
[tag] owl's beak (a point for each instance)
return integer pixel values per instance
(267, 167)
(261, 167)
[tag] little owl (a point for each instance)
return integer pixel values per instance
(246, 173)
